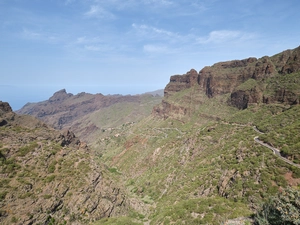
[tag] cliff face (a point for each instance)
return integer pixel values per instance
(246, 81)
(50, 177)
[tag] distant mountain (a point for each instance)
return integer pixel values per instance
(87, 114)
(51, 177)
(157, 92)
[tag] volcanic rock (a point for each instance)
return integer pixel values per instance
(246, 81)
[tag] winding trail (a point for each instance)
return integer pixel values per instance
(275, 150)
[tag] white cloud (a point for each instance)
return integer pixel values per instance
(99, 12)
(30, 34)
(86, 40)
(159, 2)
(221, 36)
(39, 36)
(91, 44)
(153, 32)
(67, 2)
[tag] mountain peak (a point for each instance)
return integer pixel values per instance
(60, 95)
(5, 107)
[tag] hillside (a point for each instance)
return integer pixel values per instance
(51, 177)
(88, 114)
(195, 160)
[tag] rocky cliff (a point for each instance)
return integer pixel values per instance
(246, 81)
(50, 177)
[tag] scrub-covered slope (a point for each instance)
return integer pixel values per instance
(195, 160)
(51, 177)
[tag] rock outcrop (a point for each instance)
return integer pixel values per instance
(50, 177)
(246, 81)
(5, 107)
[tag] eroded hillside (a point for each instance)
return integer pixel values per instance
(51, 177)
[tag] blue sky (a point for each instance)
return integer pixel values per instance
(130, 46)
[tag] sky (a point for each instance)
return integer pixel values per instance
(130, 46)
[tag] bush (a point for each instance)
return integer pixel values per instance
(28, 148)
(281, 209)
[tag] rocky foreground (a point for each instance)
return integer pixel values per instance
(48, 176)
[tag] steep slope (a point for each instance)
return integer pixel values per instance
(51, 177)
(195, 160)
(87, 114)
(205, 170)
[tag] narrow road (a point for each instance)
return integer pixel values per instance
(275, 150)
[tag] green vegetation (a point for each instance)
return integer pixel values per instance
(198, 165)
(213, 210)
(247, 85)
(204, 168)
(117, 221)
(26, 149)
(283, 208)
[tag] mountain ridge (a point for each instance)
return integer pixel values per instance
(65, 110)
(227, 77)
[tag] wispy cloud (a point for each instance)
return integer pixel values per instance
(67, 2)
(91, 44)
(30, 34)
(125, 4)
(153, 32)
(88, 40)
(159, 2)
(94, 48)
(39, 36)
(221, 36)
(99, 12)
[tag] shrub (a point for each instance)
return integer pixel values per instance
(281, 209)
(28, 148)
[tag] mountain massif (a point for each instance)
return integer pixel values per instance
(248, 81)
(219, 144)
(88, 114)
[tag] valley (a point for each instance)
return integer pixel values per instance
(190, 157)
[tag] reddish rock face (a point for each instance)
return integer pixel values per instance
(226, 77)
(181, 82)
(63, 108)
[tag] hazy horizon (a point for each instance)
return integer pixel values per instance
(131, 46)
(11, 94)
